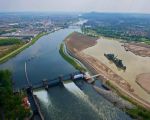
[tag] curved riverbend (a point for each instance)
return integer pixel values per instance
(59, 103)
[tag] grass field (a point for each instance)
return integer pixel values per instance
(9, 41)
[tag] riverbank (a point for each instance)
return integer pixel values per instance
(138, 112)
(69, 59)
(108, 75)
(15, 52)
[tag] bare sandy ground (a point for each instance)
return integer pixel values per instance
(76, 42)
(139, 49)
(135, 64)
(93, 59)
(144, 81)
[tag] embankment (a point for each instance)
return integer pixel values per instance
(76, 43)
(69, 59)
(114, 98)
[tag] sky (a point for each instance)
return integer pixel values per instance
(126, 6)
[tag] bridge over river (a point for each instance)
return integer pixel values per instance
(58, 103)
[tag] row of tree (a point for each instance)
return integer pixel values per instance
(10, 105)
(9, 41)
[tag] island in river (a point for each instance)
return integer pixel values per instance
(90, 51)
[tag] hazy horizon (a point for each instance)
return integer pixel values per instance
(104, 6)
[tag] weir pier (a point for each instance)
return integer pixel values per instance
(47, 83)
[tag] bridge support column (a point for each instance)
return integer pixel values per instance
(71, 76)
(29, 90)
(61, 80)
(45, 84)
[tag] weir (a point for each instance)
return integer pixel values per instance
(32, 98)
(71, 86)
(46, 83)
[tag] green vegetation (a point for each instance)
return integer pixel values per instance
(15, 52)
(9, 50)
(89, 32)
(9, 41)
(69, 59)
(147, 42)
(9, 45)
(108, 32)
(138, 112)
(10, 104)
(128, 27)
(37, 37)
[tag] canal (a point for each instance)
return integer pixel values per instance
(59, 103)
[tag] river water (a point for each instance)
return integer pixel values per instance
(71, 102)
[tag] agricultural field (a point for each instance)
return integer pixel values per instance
(7, 45)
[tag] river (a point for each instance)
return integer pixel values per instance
(59, 103)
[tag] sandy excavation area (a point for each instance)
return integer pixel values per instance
(76, 42)
(91, 52)
(138, 49)
(135, 64)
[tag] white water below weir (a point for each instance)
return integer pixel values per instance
(71, 86)
(73, 89)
